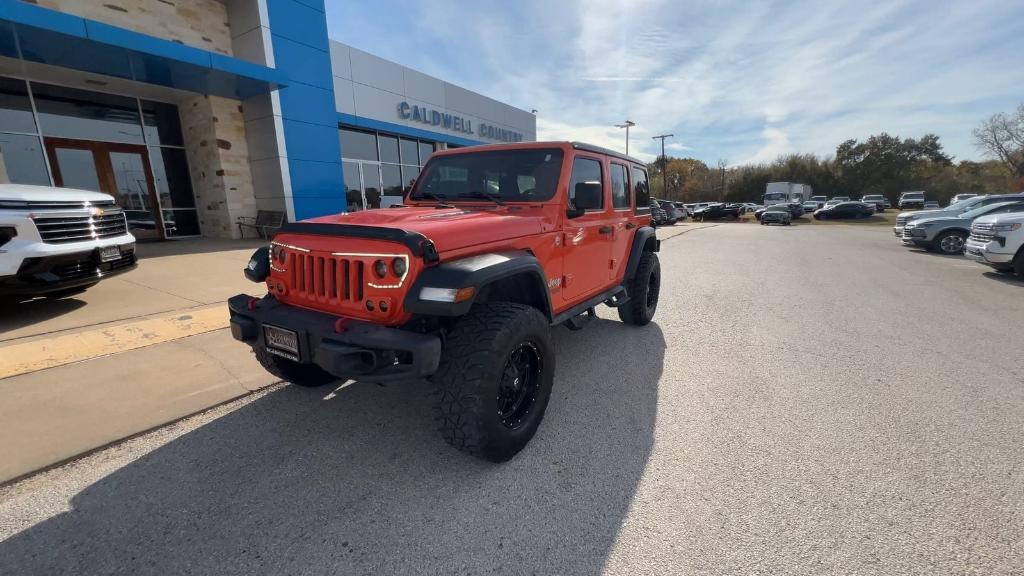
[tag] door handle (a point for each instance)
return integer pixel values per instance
(606, 229)
(630, 225)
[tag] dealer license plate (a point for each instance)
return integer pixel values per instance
(108, 253)
(281, 342)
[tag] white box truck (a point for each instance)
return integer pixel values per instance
(786, 192)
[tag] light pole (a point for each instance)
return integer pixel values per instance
(664, 162)
(626, 126)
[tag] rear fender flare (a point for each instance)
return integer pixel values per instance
(645, 240)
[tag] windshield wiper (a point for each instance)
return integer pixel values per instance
(439, 198)
(484, 195)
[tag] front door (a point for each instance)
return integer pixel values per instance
(362, 185)
(588, 237)
(121, 170)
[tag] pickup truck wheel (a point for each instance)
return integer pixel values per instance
(305, 375)
(494, 380)
(1018, 263)
(950, 242)
(643, 290)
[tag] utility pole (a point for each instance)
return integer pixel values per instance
(664, 162)
(627, 125)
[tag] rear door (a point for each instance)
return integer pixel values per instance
(588, 237)
(622, 212)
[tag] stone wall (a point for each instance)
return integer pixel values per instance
(197, 23)
(218, 158)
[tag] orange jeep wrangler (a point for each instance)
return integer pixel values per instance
(461, 284)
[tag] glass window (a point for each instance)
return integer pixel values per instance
(503, 173)
(87, 115)
(181, 222)
(353, 186)
(410, 152)
(641, 191)
(409, 176)
(388, 149)
(15, 107)
(161, 123)
(171, 176)
(620, 187)
(358, 145)
(21, 160)
(584, 170)
(391, 175)
(426, 149)
(78, 169)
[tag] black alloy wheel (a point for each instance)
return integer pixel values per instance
(520, 383)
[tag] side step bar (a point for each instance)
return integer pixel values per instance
(615, 297)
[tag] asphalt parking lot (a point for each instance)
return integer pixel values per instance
(809, 399)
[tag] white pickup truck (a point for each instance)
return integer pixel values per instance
(59, 241)
(998, 241)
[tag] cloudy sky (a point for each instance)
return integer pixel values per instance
(741, 81)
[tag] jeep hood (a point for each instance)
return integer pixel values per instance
(447, 228)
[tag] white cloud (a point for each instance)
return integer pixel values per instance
(731, 79)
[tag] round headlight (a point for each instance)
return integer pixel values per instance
(277, 253)
(399, 267)
(380, 268)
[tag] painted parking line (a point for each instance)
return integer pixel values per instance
(28, 357)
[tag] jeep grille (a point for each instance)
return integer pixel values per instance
(326, 279)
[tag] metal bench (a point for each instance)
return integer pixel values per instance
(266, 221)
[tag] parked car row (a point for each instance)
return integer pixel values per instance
(989, 229)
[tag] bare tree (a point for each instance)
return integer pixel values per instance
(1002, 137)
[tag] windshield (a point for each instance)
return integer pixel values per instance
(972, 214)
(913, 196)
(872, 197)
(509, 175)
(775, 196)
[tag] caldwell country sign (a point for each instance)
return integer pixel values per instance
(455, 123)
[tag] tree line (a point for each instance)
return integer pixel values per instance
(882, 164)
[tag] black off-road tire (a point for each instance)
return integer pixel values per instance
(476, 360)
(304, 375)
(1018, 262)
(643, 291)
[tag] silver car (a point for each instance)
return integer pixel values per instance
(778, 214)
(947, 234)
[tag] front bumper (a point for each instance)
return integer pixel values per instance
(45, 274)
(343, 347)
(985, 254)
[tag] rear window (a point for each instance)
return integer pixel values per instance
(641, 191)
(527, 175)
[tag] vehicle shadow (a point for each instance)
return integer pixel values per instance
(357, 482)
(18, 313)
(1010, 279)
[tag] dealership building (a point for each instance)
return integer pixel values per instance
(196, 113)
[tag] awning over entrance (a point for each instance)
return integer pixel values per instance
(41, 35)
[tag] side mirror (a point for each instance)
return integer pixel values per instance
(258, 267)
(587, 196)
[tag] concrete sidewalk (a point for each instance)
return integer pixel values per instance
(135, 352)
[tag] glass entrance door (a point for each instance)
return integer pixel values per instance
(121, 170)
(362, 185)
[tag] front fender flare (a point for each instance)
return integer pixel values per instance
(477, 272)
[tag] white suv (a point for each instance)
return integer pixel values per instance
(60, 240)
(998, 241)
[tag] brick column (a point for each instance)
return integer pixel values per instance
(218, 158)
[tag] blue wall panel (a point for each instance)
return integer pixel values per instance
(301, 52)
